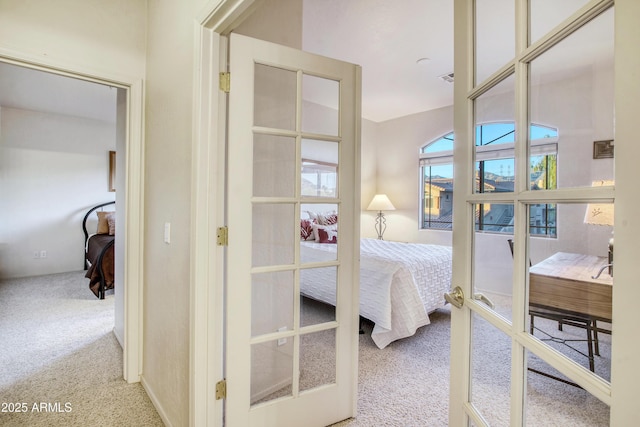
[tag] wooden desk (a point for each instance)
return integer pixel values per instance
(562, 288)
(563, 282)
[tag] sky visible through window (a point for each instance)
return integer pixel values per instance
(487, 134)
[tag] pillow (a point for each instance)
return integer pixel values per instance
(326, 233)
(111, 220)
(306, 229)
(328, 218)
(323, 218)
(312, 215)
(103, 225)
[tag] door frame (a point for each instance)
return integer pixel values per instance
(206, 349)
(134, 194)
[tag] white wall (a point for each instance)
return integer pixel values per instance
(168, 134)
(106, 36)
(398, 144)
(118, 38)
(52, 169)
(269, 20)
(368, 174)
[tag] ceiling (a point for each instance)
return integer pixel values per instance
(35, 90)
(385, 37)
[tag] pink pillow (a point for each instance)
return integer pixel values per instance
(326, 233)
(324, 237)
(328, 219)
(306, 229)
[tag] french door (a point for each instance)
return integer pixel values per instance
(538, 337)
(290, 360)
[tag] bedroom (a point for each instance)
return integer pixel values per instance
(175, 82)
(555, 227)
(59, 138)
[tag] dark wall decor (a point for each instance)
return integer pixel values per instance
(603, 149)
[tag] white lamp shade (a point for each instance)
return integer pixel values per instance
(381, 202)
(599, 213)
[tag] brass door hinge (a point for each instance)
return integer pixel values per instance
(221, 389)
(225, 82)
(223, 236)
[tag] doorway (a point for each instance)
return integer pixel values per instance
(128, 100)
(216, 366)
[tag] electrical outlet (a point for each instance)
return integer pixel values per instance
(36, 255)
(282, 341)
(43, 254)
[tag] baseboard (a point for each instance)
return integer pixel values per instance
(155, 402)
(118, 337)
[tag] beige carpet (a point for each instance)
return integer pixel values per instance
(60, 362)
(57, 349)
(407, 383)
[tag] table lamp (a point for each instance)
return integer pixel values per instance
(381, 203)
(601, 214)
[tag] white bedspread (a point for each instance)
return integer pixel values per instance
(400, 284)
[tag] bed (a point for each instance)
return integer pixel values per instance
(99, 249)
(400, 283)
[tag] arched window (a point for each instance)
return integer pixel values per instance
(494, 173)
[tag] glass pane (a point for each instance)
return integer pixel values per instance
(494, 36)
(442, 144)
(490, 372)
(572, 90)
(494, 133)
(318, 295)
(494, 217)
(318, 232)
(571, 285)
(544, 171)
(544, 15)
(317, 252)
(542, 219)
(273, 234)
(271, 302)
(274, 165)
(317, 359)
(493, 263)
(550, 401)
(495, 176)
(271, 370)
(494, 138)
(320, 103)
(319, 168)
(437, 204)
(275, 97)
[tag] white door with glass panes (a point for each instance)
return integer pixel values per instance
(293, 151)
(535, 320)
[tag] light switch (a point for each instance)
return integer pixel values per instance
(167, 232)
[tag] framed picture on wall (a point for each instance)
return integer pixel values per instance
(112, 171)
(603, 149)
